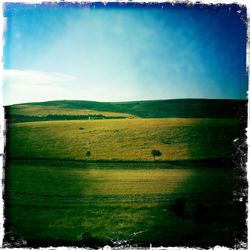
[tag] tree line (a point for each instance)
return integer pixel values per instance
(52, 117)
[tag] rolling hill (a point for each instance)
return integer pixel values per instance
(186, 129)
(176, 108)
(124, 139)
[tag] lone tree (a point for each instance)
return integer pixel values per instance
(155, 152)
(88, 154)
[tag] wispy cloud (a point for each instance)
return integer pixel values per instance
(21, 86)
(34, 77)
(32, 85)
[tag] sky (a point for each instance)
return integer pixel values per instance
(123, 53)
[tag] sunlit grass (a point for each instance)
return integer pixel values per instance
(126, 139)
(125, 181)
(54, 200)
(46, 202)
(44, 110)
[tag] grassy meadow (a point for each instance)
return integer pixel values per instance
(41, 110)
(124, 139)
(88, 205)
(58, 195)
(185, 108)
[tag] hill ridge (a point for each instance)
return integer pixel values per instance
(170, 108)
(117, 102)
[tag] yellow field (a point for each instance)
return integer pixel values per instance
(123, 139)
(40, 110)
(138, 181)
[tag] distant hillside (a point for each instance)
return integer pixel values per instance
(178, 108)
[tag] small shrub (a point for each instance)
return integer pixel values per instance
(88, 153)
(155, 152)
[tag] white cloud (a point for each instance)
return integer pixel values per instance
(21, 86)
(31, 85)
(34, 77)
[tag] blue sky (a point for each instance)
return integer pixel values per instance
(124, 53)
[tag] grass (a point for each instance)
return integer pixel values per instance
(179, 108)
(57, 195)
(126, 139)
(44, 110)
(78, 205)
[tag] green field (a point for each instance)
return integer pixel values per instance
(57, 195)
(124, 139)
(176, 108)
(94, 204)
(41, 110)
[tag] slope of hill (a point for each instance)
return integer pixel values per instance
(124, 139)
(178, 108)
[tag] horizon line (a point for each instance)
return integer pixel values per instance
(144, 100)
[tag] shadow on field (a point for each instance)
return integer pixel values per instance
(52, 206)
(199, 223)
